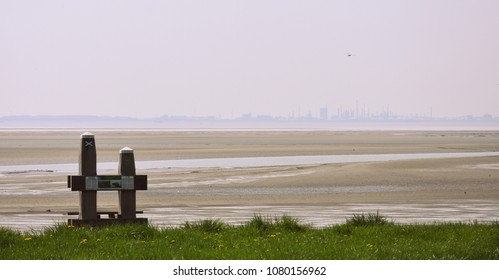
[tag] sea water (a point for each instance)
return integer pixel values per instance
(249, 161)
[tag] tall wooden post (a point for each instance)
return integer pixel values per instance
(88, 167)
(127, 198)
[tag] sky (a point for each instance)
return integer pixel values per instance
(268, 57)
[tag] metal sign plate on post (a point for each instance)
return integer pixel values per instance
(107, 183)
(127, 183)
(91, 183)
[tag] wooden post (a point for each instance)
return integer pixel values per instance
(127, 198)
(88, 167)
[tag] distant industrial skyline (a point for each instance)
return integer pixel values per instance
(341, 113)
(358, 112)
(320, 119)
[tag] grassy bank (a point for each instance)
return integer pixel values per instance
(361, 237)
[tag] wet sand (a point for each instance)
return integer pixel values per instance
(423, 190)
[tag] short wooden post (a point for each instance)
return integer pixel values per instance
(88, 167)
(127, 198)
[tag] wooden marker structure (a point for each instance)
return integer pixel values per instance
(88, 184)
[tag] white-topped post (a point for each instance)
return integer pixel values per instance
(127, 198)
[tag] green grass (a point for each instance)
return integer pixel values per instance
(364, 236)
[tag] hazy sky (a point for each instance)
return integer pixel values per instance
(153, 58)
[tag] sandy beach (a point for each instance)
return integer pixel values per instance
(415, 190)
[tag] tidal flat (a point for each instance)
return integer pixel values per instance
(410, 190)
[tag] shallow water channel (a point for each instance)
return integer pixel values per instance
(251, 161)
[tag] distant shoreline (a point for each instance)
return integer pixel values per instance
(241, 125)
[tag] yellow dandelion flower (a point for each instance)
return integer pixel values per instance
(173, 241)
(83, 241)
(27, 238)
(71, 226)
